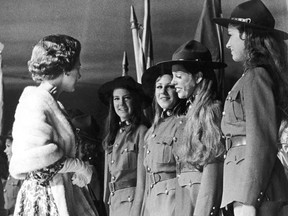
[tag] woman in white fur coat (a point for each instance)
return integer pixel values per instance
(45, 145)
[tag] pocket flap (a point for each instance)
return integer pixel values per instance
(165, 186)
(189, 178)
(131, 147)
(235, 155)
(126, 195)
(165, 140)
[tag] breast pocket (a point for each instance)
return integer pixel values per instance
(235, 156)
(234, 107)
(128, 158)
(164, 150)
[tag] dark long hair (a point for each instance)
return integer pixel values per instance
(112, 120)
(267, 50)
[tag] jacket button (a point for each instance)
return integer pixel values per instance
(223, 113)
(129, 199)
(258, 199)
(113, 177)
(112, 162)
(174, 139)
(149, 169)
(153, 135)
(166, 191)
(148, 151)
(112, 193)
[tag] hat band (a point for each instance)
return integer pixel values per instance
(246, 20)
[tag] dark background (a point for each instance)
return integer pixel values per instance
(103, 27)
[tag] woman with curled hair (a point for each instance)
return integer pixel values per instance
(254, 179)
(45, 145)
(199, 153)
(124, 174)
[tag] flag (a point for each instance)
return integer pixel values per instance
(210, 35)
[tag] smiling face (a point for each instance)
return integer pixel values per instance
(184, 83)
(165, 93)
(122, 102)
(236, 44)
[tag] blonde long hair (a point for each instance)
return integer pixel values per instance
(202, 133)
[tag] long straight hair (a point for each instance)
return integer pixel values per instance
(112, 121)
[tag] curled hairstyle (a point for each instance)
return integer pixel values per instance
(52, 56)
(112, 120)
(202, 133)
(269, 51)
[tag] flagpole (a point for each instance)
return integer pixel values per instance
(137, 45)
(125, 64)
(1, 90)
(147, 35)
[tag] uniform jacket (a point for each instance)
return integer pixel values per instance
(41, 136)
(252, 173)
(121, 165)
(159, 158)
(159, 147)
(209, 181)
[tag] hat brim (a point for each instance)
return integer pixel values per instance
(165, 67)
(225, 22)
(106, 90)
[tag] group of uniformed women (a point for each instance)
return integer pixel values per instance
(196, 158)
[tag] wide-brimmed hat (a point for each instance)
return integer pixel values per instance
(191, 54)
(253, 14)
(106, 90)
(85, 124)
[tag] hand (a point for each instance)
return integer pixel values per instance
(85, 173)
(79, 180)
(243, 210)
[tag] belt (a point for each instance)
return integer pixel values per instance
(158, 177)
(234, 141)
(114, 186)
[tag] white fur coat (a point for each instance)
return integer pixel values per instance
(41, 136)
